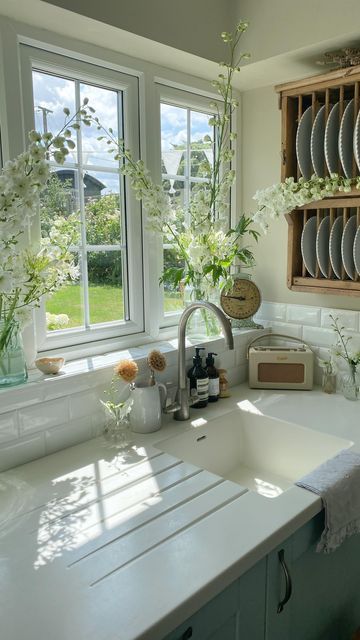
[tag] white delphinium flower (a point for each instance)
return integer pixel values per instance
(26, 276)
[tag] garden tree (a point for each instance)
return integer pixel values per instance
(104, 227)
(58, 205)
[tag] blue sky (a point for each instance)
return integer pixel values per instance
(55, 93)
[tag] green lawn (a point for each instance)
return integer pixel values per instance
(106, 303)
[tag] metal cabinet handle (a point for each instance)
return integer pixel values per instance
(187, 634)
(288, 583)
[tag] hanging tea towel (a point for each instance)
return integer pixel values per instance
(337, 482)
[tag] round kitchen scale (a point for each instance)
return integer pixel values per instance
(241, 302)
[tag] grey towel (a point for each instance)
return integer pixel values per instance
(337, 482)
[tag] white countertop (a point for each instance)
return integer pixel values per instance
(96, 544)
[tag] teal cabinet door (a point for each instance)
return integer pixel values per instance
(238, 613)
(325, 597)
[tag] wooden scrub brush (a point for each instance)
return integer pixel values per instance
(157, 362)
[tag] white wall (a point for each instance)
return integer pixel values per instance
(189, 25)
(281, 26)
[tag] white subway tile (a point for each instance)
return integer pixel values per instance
(303, 315)
(348, 319)
(8, 426)
(68, 434)
(43, 416)
(84, 404)
(285, 328)
(98, 421)
(272, 311)
(20, 396)
(21, 451)
(226, 360)
(318, 336)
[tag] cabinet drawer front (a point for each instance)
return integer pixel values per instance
(210, 618)
(307, 536)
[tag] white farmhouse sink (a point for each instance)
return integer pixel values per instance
(264, 454)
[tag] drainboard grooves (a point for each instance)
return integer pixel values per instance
(145, 539)
(56, 510)
(91, 483)
(137, 527)
(83, 529)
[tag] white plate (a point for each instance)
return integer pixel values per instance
(347, 247)
(322, 245)
(335, 246)
(308, 246)
(303, 136)
(356, 141)
(346, 139)
(356, 251)
(317, 143)
(331, 142)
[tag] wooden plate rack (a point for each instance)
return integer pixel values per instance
(294, 98)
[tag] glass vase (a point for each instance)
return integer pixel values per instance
(117, 432)
(328, 382)
(202, 324)
(351, 383)
(13, 368)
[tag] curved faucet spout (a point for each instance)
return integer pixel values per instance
(182, 399)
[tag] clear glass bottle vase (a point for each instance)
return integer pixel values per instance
(13, 368)
(351, 383)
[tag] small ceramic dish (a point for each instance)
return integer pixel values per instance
(50, 365)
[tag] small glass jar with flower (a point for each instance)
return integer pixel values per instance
(117, 411)
(329, 369)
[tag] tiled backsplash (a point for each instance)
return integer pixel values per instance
(51, 413)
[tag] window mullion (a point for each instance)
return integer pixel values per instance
(83, 252)
(187, 160)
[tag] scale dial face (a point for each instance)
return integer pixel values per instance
(242, 300)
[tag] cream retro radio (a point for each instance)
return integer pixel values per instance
(276, 367)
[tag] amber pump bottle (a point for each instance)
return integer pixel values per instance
(214, 386)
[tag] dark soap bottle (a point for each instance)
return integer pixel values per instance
(214, 386)
(199, 381)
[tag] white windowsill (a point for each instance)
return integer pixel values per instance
(88, 372)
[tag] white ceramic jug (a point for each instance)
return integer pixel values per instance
(145, 414)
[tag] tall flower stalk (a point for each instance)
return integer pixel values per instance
(27, 275)
(206, 247)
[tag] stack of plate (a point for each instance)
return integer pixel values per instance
(338, 247)
(330, 143)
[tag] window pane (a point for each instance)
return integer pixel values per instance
(201, 151)
(106, 299)
(173, 300)
(51, 95)
(92, 198)
(65, 309)
(105, 103)
(173, 128)
(102, 208)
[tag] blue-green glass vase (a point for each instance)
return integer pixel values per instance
(13, 368)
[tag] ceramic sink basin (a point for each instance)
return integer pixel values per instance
(263, 454)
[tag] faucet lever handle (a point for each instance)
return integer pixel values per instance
(171, 408)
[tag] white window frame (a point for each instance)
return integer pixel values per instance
(194, 102)
(42, 60)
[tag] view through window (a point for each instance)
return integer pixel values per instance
(88, 187)
(186, 162)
